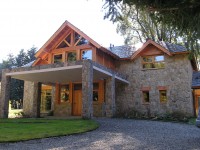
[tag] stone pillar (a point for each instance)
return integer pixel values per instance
(5, 95)
(110, 97)
(87, 89)
(32, 99)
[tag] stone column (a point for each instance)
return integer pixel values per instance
(5, 95)
(87, 89)
(110, 96)
(32, 99)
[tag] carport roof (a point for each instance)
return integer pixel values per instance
(63, 74)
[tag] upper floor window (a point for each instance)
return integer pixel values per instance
(57, 58)
(71, 56)
(149, 62)
(87, 54)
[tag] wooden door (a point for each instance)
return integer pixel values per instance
(77, 102)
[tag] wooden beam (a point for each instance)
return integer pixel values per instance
(78, 41)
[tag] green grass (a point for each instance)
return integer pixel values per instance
(12, 130)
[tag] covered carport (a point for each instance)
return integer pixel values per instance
(81, 71)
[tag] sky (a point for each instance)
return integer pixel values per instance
(27, 23)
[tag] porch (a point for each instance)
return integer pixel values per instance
(84, 73)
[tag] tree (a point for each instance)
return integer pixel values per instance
(133, 17)
(137, 26)
(183, 15)
(23, 58)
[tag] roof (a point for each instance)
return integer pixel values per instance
(64, 28)
(173, 48)
(196, 79)
(124, 51)
(150, 42)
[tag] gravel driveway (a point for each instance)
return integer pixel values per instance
(121, 134)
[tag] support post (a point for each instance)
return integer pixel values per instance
(32, 99)
(110, 97)
(5, 95)
(87, 89)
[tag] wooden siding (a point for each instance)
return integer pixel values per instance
(105, 59)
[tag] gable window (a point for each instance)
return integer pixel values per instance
(57, 58)
(149, 62)
(86, 54)
(145, 96)
(163, 96)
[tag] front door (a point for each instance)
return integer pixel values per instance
(77, 103)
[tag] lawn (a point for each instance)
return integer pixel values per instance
(12, 130)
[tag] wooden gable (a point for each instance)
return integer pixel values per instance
(67, 39)
(150, 48)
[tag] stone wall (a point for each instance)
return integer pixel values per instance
(62, 109)
(31, 100)
(176, 77)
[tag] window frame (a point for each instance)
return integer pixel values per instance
(143, 98)
(86, 50)
(153, 62)
(57, 55)
(61, 92)
(161, 98)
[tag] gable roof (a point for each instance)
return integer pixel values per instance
(196, 79)
(150, 42)
(63, 28)
(173, 48)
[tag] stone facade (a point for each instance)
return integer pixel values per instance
(87, 89)
(176, 77)
(5, 95)
(31, 100)
(110, 97)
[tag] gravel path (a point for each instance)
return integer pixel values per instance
(121, 134)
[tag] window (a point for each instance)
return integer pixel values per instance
(95, 91)
(45, 104)
(149, 62)
(64, 93)
(163, 96)
(87, 54)
(145, 96)
(71, 56)
(57, 58)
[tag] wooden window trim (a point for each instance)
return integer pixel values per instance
(86, 50)
(57, 54)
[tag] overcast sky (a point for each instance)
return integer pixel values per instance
(27, 23)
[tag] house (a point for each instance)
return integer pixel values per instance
(74, 75)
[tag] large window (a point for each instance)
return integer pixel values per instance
(64, 93)
(145, 96)
(57, 58)
(45, 105)
(163, 96)
(87, 54)
(149, 62)
(71, 56)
